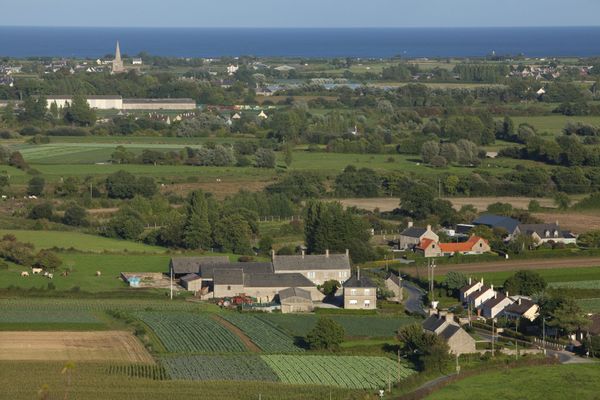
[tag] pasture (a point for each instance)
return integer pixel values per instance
(78, 241)
(554, 124)
(556, 382)
(113, 346)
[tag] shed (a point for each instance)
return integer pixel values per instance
(295, 300)
(192, 282)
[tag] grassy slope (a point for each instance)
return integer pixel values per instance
(78, 241)
(544, 383)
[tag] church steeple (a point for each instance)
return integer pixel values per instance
(117, 64)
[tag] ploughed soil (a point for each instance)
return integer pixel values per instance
(73, 346)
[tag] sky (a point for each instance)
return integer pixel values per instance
(300, 13)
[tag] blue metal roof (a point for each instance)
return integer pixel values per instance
(497, 221)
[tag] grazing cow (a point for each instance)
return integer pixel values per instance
(36, 270)
(98, 273)
(24, 273)
(50, 276)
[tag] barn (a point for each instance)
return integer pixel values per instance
(295, 300)
(191, 282)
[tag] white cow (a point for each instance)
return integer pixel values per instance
(36, 270)
(50, 276)
(24, 273)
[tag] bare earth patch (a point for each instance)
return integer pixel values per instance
(480, 203)
(515, 265)
(73, 346)
(574, 221)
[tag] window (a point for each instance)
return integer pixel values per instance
(311, 274)
(353, 291)
(342, 274)
(367, 303)
(353, 302)
(367, 291)
(228, 287)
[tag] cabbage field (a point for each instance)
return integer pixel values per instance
(218, 368)
(263, 333)
(190, 332)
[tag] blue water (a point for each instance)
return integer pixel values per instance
(367, 42)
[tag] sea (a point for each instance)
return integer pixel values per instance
(301, 42)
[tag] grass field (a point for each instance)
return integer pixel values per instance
(555, 382)
(567, 275)
(554, 124)
(94, 381)
(589, 305)
(79, 241)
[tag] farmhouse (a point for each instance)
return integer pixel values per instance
(522, 308)
(547, 233)
(475, 245)
(442, 324)
(360, 293)
(317, 268)
(412, 236)
(295, 300)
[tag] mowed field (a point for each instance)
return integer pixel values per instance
(72, 346)
(79, 241)
(554, 124)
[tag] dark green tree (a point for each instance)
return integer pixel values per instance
(36, 185)
(197, 229)
(79, 112)
(75, 216)
(525, 282)
(326, 335)
(121, 185)
(44, 210)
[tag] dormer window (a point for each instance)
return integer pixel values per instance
(555, 233)
(547, 233)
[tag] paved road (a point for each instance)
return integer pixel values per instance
(509, 265)
(413, 302)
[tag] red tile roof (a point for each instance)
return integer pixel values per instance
(461, 247)
(425, 243)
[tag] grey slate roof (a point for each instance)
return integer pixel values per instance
(363, 282)
(494, 301)
(207, 270)
(229, 276)
(191, 265)
(433, 322)
(276, 280)
(479, 292)
(520, 309)
(414, 232)
(190, 277)
(449, 331)
(294, 292)
(541, 230)
(497, 221)
(311, 262)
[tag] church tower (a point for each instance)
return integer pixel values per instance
(117, 64)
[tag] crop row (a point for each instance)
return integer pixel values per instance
(25, 315)
(354, 325)
(145, 371)
(264, 334)
(218, 368)
(32, 304)
(576, 285)
(191, 332)
(354, 372)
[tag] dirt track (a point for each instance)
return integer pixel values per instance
(73, 346)
(250, 345)
(513, 265)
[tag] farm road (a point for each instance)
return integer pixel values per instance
(512, 265)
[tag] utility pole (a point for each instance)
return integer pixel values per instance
(91, 191)
(544, 334)
(517, 340)
(493, 336)
(171, 283)
(439, 188)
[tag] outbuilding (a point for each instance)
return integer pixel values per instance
(294, 300)
(191, 282)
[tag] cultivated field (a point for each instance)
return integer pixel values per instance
(72, 346)
(264, 334)
(218, 368)
(578, 222)
(480, 203)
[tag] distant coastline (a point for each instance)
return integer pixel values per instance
(301, 42)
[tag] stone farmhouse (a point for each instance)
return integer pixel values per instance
(218, 277)
(540, 233)
(443, 325)
(360, 293)
(393, 283)
(412, 236)
(474, 245)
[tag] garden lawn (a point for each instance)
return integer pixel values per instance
(79, 241)
(556, 382)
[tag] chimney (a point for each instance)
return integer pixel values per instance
(482, 281)
(302, 253)
(358, 273)
(327, 253)
(470, 281)
(492, 286)
(410, 224)
(428, 227)
(495, 295)
(272, 255)
(450, 317)
(519, 301)
(507, 294)
(347, 253)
